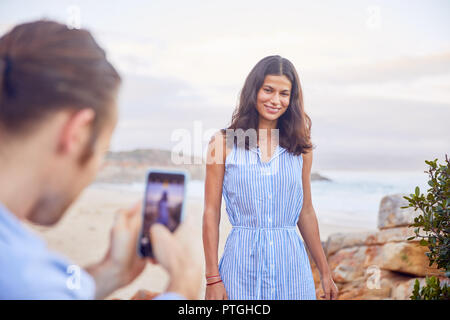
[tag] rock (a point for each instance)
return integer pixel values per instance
(350, 264)
(144, 295)
(388, 281)
(391, 215)
(408, 258)
(373, 256)
(403, 290)
(347, 264)
(376, 284)
(397, 234)
(379, 265)
(351, 291)
(339, 241)
(315, 176)
(377, 272)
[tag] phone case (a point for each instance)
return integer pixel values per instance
(183, 209)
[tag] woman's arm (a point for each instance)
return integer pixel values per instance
(309, 228)
(307, 222)
(215, 169)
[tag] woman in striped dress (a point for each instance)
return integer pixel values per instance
(261, 165)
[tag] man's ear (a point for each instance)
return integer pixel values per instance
(76, 132)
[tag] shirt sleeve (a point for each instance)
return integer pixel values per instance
(169, 296)
(29, 270)
(43, 276)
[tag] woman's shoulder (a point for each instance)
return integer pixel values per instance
(218, 148)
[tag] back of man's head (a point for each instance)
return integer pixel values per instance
(53, 82)
(45, 66)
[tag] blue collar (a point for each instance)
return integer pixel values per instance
(279, 150)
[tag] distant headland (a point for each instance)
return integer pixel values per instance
(131, 166)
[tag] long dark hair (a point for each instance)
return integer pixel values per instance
(45, 66)
(294, 125)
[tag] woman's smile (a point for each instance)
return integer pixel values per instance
(272, 109)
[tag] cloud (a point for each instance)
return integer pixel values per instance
(152, 108)
(402, 69)
(349, 131)
(414, 78)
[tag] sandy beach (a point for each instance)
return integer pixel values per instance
(83, 234)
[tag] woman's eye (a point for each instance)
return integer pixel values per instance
(266, 90)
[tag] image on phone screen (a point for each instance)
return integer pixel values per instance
(163, 203)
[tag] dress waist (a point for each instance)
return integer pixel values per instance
(266, 228)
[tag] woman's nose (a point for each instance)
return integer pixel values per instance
(275, 99)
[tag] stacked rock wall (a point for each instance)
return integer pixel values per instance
(380, 264)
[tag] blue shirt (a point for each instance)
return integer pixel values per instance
(29, 270)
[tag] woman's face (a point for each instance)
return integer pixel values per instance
(273, 97)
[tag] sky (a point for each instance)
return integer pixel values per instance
(375, 74)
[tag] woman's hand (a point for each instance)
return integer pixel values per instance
(216, 292)
(329, 287)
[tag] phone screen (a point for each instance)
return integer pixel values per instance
(163, 203)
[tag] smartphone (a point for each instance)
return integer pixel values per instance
(164, 202)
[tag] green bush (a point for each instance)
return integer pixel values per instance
(431, 291)
(434, 221)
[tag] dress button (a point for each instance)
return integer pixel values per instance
(270, 219)
(270, 196)
(271, 243)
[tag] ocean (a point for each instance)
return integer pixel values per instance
(351, 198)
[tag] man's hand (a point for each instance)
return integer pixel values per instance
(185, 274)
(121, 264)
(122, 252)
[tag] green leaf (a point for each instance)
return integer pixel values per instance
(434, 221)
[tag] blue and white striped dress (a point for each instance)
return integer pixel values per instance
(264, 256)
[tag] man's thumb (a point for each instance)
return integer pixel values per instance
(159, 232)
